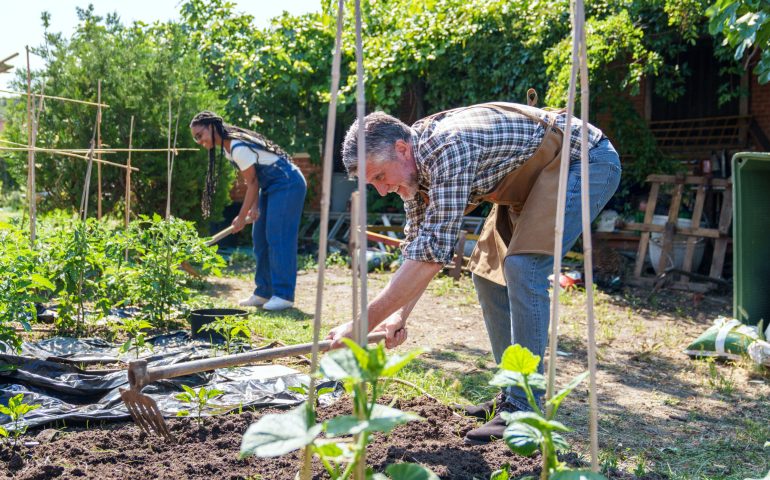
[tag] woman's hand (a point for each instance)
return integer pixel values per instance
(253, 214)
(238, 224)
(394, 328)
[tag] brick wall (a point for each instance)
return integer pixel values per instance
(759, 104)
(312, 175)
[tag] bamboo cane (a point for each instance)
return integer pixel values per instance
(30, 157)
(559, 233)
(51, 97)
(361, 323)
(593, 422)
(128, 178)
(98, 147)
(168, 164)
(66, 153)
(328, 160)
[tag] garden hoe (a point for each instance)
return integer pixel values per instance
(145, 411)
(215, 239)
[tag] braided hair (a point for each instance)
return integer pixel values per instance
(253, 140)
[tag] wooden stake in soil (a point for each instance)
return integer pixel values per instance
(99, 147)
(168, 164)
(587, 240)
(361, 322)
(30, 158)
(128, 178)
(328, 160)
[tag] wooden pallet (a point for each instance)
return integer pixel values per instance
(688, 280)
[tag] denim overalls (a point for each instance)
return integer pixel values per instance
(282, 189)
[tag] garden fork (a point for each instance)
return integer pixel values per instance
(145, 411)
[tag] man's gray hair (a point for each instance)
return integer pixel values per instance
(382, 131)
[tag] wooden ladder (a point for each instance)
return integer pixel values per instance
(689, 280)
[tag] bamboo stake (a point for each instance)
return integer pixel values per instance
(361, 322)
(173, 156)
(168, 164)
(128, 178)
(593, 422)
(99, 146)
(328, 160)
(30, 157)
(559, 233)
(66, 153)
(51, 97)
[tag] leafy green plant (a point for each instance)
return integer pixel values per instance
(160, 246)
(134, 328)
(745, 26)
(16, 409)
(359, 369)
(197, 399)
(230, 328)
(20, 285)
(529, 431)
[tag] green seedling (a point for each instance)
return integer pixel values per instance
(360, 369)
(16, 409)
(230, 328)
(529, 431)
(197, 399)
(134, 328)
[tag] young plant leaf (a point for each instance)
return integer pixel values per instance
(385, 419)
(522, 438)
(534, 420)
(556, 400)
(502, 474)
(507, 378)
(278, 434)
(519, 359)
(577, 475)
(341, 365)
(396, 362)
(409, 471)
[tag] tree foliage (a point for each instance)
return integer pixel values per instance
(142, 67)
(745, 26)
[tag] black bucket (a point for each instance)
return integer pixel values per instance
(199, 318)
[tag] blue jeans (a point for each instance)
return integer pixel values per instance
(519, 313)
(274, 234)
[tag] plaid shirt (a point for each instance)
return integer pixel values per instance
(460, 155)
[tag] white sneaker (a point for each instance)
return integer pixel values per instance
(277, 303)
(253, 301)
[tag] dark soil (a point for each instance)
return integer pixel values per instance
(122, 451)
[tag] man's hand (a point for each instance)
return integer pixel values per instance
(394, 328)
(238, 224)
(339, 332)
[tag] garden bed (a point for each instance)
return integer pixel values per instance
(120, 451)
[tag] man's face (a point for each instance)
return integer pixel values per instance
(202, 136)
(395, 176)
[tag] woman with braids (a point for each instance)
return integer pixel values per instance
(274, 198)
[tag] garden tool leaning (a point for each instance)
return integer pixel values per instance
(216, 238)
(145, 411)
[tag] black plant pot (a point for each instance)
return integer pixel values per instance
(199, 318)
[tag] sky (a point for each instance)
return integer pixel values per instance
(21, 24)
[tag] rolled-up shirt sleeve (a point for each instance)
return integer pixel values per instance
(432, 230)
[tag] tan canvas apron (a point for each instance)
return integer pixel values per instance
(524, 214)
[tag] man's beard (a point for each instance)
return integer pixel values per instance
(411, 188)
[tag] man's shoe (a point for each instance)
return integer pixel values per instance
(492, 430)
(253, 301)
(483, 410)
(277, 303)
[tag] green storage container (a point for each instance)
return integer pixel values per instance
(751, 237)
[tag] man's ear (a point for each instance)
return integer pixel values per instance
(402, 148)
